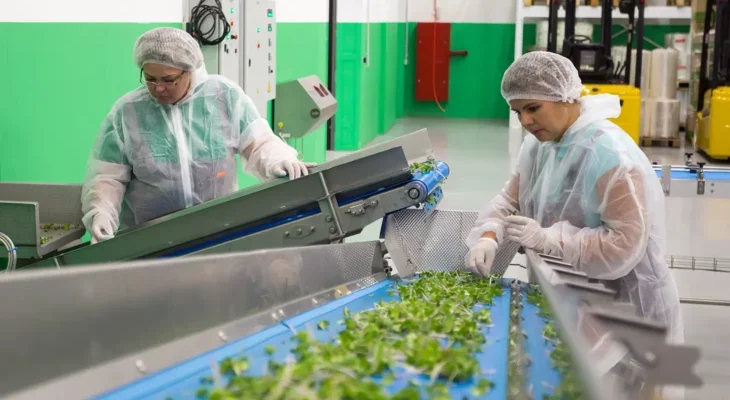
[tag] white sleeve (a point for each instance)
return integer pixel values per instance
(613, 249)
(258, 146)
(260, 149)
(107, 175)
(491, 218)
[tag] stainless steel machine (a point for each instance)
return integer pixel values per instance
(157, 329)
(338, 199)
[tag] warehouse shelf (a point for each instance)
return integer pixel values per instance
(651, 13)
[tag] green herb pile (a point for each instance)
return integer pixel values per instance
(54, 227)
(424, 167)
(433, 332)
(570, 387)
(57, 227)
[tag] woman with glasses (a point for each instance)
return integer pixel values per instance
(171, 144)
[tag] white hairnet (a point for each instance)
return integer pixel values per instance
(541, 75)
(596, 194)
(168, 46)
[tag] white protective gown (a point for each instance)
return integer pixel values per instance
(600, 198)
(152, 159)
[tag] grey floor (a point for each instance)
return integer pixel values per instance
(481, 155)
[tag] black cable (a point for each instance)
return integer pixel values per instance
(203, 12)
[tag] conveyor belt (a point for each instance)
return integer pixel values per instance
(182, 381)
(542, 377)
(686, 174)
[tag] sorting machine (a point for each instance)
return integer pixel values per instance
(338, 199)
(155, 329)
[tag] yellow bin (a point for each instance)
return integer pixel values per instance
(630, 118)
(713, 124)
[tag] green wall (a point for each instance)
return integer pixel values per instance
(59, 82)
(62, 78)
(370, 97)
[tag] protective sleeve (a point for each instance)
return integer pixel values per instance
(258, 146)
(108, 172)
(613, 249)
(491, 218)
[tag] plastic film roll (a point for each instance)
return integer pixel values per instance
(661, 118)
(645, 132)
(663, 74)
(645, 71)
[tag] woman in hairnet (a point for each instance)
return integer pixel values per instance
(171, 143)
(582, 191)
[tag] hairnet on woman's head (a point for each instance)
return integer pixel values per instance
(168, 46)
(541, 75)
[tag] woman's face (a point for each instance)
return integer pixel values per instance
(547, 120)
(167, 85)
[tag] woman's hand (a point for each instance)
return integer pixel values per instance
(528, 233)
(481, 256)
(293, 168)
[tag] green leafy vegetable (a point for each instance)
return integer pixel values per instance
(269, 349)
(435, 330)
(571, 387)
(323, 325)
(424, 167)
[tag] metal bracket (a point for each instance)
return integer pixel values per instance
(360, 207)
(663, 364)
(299, 232)
(701, 178)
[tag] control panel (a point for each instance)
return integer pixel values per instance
(302, 106)
(229, 51)
(259, 52)
(247, 53)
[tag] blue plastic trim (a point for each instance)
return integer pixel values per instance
(542, 377)
(689, 175)
(428, 182)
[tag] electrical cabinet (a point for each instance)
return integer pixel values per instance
(247, 55)
(259, 52)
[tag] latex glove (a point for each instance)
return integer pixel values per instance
(481, 256)
(102, 228)
(528, 233)
(294, 168)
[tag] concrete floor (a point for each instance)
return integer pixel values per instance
(481, 155)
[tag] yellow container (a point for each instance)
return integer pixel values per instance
(713, 124)
(630, 118)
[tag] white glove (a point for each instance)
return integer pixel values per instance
(481, 256)
(528, 233)
(102, 228)
(294, 168)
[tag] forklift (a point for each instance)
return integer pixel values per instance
(713, 104)
(599, 72)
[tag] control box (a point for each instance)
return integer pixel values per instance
(247, 55)
(229, 51)
(259, 52)
(302, 106)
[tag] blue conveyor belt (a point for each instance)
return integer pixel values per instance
(183, 380)
(710, 175)
(427, 183)
(541, 377)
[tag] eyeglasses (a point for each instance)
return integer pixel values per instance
(165, 82)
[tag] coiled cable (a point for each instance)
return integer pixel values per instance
(12, 252)
(203, 12)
